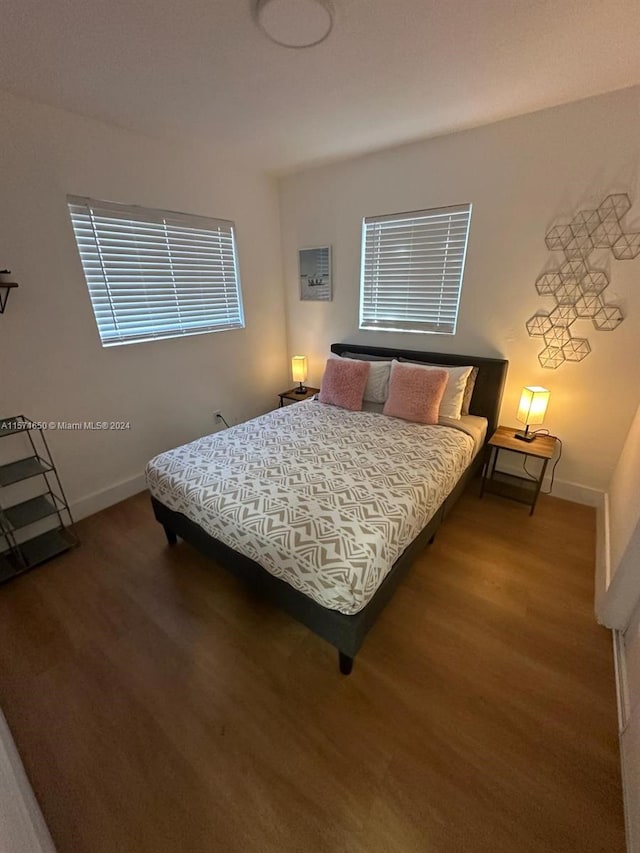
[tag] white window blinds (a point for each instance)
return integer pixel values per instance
(412, 268)
(156, 274)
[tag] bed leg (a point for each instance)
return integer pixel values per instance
(171, 536)
(432, 540)
(346, 663)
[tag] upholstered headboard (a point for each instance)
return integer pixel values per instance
(487, 393)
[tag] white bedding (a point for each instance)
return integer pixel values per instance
(473, 425)
(323, 498)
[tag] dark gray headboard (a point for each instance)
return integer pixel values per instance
(492, 373)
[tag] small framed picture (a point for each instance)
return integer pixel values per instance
(314, 269)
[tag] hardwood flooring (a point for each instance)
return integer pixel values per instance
(159, 706)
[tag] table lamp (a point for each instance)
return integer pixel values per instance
(533, 405)
(299, 372)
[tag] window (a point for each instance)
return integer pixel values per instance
(412, 267)
(155, 274)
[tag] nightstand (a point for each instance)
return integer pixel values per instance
(523, 489)
(291, 396)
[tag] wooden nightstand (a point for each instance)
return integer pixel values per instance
(523, 489)
(291, 396)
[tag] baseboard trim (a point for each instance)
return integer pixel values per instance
(577, 493)
(97, 501)
(624, 716)
(622, 684)
(626, 802)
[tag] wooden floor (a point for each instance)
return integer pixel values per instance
(158, 706)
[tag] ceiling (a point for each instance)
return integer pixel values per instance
(391, 71)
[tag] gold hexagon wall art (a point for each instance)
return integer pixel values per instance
(576, 288)
(540, 323)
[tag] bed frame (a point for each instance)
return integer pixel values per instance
(345, 632)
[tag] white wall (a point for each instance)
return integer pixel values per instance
(624, 497)
(54, 367)
(630, 758)
(520, 175)
(618, 570)
(628, 679)
(618, 607)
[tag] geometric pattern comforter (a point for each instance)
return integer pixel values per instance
(323, 498)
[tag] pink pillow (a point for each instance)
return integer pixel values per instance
(343, 383)
(415, 394)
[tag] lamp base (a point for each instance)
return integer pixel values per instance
(525, 436)
(301, 389)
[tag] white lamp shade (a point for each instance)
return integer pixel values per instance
(299, 368)
(533, 405)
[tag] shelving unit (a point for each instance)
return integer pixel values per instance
(5, 289)
(293, 396)
(524, 489)
(37, 524)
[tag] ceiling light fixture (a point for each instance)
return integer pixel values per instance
(295, 23)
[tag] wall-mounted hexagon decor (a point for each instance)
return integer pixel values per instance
(585, 222)
(593, 283)
(575, 287)
(607, 318)
(576, 349)
(563, 316)
(568, 293)
(551, 357)
(558, 237)
(606, 234)
(627, 247)
(578, 248)
(572, 270)
(557, 336)
(539, 324)
(548, 283)
(587, 307)
(614, 207)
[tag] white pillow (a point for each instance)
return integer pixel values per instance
(377, 388)
(451, 404)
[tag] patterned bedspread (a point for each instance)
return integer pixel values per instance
(323, 498)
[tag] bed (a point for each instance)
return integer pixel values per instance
(320, 509)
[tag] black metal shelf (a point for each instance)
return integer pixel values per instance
(47, 545)
(35, 509)
(9, 567)
(12, 425)
(512, 486)
(22, 551)
(23, 469)
(5, 288)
